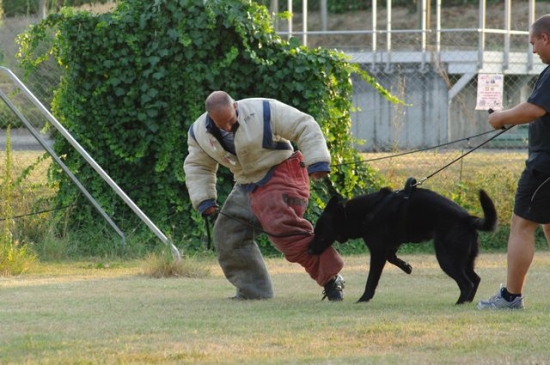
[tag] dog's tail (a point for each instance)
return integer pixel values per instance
(489, 222)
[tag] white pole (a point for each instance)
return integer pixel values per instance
(388, 35)
(530, 56)
(289, 6)
(388, 25)
(374, 25)
(481, 41)
(424, 30)
(274, 10)
(304, 22)
(374, 30)
(438, 28)
(507, 26)
(324, 14)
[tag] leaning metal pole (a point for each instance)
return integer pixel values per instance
(64, 167)
(94, 164)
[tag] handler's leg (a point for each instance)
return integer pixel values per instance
(546, 230)
(238, 254)
(520, 252)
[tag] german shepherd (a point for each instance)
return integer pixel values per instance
(387, 219)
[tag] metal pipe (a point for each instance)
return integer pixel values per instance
(304, 22)
(289, 9)
(438, 29)
(324, 14)
(507, 25)
(423, 34)
(481, 41)
(530, 56)
(374, 28)
(274, 9)
(374, 25)
(64, 167)
(93, 163)
(388, 34)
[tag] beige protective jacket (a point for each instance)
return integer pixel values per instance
(262, 140)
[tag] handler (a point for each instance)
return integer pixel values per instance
(252, 138)
(532, 200)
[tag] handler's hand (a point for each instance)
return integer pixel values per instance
(318, 175)
(494, 121)
(210, 211)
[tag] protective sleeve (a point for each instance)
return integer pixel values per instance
(301, 128)
(200, 173)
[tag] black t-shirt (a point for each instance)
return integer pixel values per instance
(539, 130)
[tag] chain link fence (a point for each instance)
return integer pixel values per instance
(433, 72)
(432, 61)
(27, 197)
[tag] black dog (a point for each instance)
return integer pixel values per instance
(386, 219)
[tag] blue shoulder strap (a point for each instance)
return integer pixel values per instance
(267, 141)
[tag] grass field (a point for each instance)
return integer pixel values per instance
(109, 313)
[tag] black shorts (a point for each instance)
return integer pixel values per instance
(532, 200)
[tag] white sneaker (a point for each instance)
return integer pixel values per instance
(498, 302)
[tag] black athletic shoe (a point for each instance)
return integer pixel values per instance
(334, 289)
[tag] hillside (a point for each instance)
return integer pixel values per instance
(402, 19)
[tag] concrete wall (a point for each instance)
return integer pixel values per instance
(429, 119)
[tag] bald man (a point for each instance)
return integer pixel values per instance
(252, 138)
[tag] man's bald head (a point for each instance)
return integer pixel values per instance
(218, 101)
(222, 109)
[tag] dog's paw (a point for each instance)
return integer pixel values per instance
(363, 300)
(405, 266)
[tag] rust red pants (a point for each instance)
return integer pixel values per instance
(279, 206)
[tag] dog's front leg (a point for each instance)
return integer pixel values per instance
(377, 262)
(403, 265)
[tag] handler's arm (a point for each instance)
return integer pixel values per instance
(520, 114)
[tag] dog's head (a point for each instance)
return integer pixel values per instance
(328, 226)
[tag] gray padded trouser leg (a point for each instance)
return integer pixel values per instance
(238, 254)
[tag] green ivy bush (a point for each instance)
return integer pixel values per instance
(135, 79)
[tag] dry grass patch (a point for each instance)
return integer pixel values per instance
(163, 265)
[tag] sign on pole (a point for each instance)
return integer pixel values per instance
(489, 91)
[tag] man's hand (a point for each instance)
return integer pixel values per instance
(495, 120)
(318, 175)
(210, 211)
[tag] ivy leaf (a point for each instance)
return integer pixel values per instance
(153, 60)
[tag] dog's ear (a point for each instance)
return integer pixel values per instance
(334, 203)
(386, 190)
